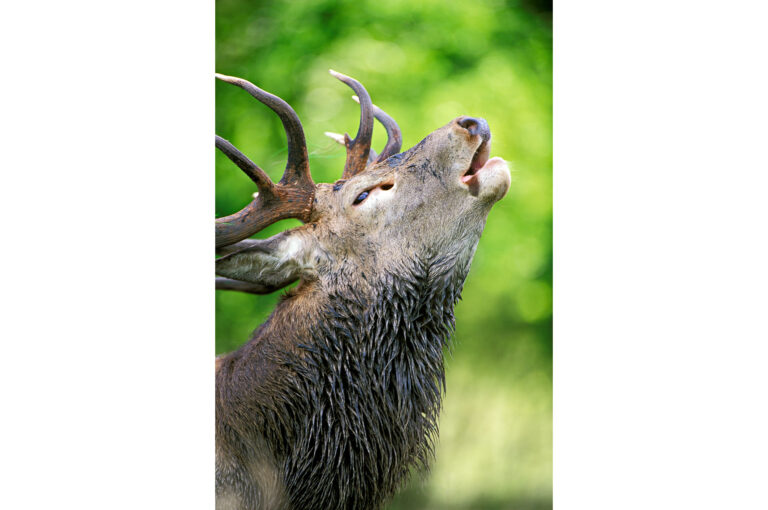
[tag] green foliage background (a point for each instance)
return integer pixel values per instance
(425, 63)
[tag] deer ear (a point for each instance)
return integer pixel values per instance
(274, 262)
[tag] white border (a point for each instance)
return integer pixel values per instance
(660, 255)
(107, 195)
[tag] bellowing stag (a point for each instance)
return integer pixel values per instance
(336, 396)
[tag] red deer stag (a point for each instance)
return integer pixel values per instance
(336, 396)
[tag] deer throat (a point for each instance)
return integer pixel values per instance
(367, 390)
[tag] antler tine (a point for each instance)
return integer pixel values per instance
(297, 168)
(358, 149)
(250, 288)
(394, 138)
(292, 197)
(250, 168)
(336, 137)
(343, 142)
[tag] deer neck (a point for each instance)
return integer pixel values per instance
(366, 385)
(352, 404)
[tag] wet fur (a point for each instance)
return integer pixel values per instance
(343, 415)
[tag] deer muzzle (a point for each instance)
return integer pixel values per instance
(485, 178)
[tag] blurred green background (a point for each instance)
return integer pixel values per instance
(425, 63)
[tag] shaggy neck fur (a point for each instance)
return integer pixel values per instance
(358, 399)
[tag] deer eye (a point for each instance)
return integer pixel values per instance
(362, 196)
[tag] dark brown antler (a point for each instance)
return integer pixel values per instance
(394, 138)
(250, 288)
(290, 198)
(358, 149)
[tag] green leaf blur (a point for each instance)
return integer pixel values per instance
(425, 63)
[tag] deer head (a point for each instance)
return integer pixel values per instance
(427, 204)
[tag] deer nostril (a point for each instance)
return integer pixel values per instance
(469, 124)
(475, 126)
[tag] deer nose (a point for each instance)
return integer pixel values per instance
(475, 126)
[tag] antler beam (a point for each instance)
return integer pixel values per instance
(357, 149)
(292, 197)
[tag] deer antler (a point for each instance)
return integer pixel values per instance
(241, 286)
(358, 149)
(394, 138)
(292, 197)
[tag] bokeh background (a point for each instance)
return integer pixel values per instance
(425, 63)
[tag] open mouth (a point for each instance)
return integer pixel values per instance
(479, 160)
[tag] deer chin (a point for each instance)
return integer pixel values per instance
(491, 180)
